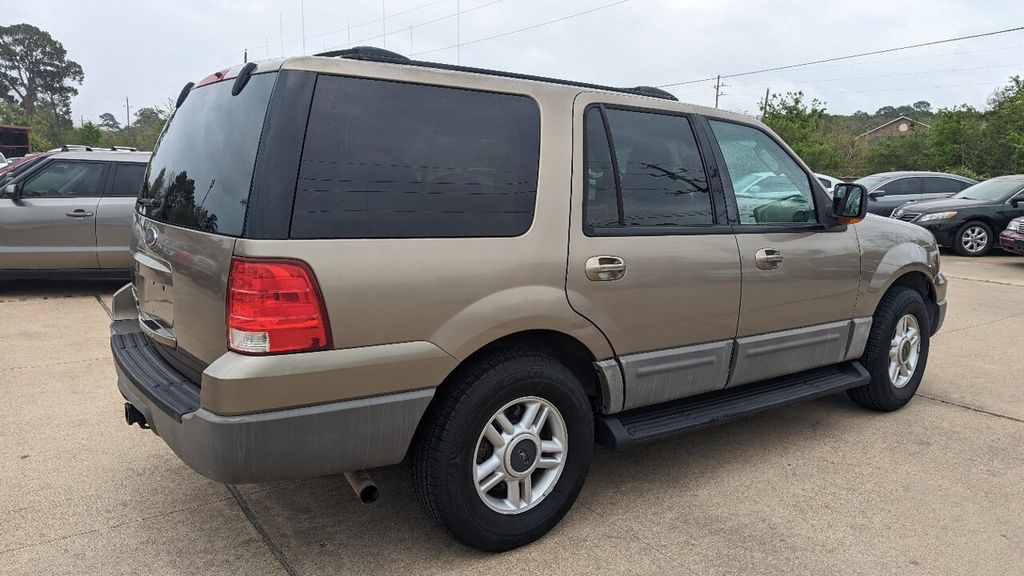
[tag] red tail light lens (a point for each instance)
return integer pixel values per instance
(275, 306)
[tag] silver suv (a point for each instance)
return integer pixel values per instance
(349, 260)
(68, 212)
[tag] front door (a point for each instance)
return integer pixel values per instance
(800, 279)
(52, 224)
(650, 262)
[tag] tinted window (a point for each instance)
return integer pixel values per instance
(825, 183)
(994, 190)
(202, 165)
(770, 187)
(128, 180)
(942, 186)
(64, 179)
(392, 160)
(902, 186)
(661, 175)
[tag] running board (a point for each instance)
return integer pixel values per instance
(651, 423)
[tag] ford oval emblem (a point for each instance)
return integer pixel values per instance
(150, 236)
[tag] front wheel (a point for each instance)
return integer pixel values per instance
(896, 352)
(973, 239)
(504, 449)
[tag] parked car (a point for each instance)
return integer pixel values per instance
(4, 161)
(967, 222)
(1012, 239)
(890, 190)
(344, 261)
(828, 182)
(68, 213)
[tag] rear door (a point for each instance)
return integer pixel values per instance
(52, 225)
(800, 279)
(651, 261)
(114, 214)
(893, 194)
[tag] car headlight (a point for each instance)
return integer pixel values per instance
(936, 216)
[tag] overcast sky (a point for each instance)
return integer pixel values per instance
(147, 50)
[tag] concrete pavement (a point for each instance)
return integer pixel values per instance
(823, 487)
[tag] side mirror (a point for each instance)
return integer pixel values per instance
(849, 203)
(876, 194)
(11, 191)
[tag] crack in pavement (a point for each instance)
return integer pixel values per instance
(986, 281)
(268, 541)
(972, 408)
(103, 304)
(1004, 318)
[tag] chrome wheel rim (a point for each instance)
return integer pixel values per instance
(520, 455)
(904, 351)
(974, 239)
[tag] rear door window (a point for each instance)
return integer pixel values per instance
(936, 185)
(387, 159)
(128, 180)
(661, 179)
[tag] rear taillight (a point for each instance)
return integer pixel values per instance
(275, 306)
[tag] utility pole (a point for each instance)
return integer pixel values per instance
(718, 89)
(764, 107)
(245, 58)
(302, 15)
(348, 32)
(280, 24)
(384, 23)
(128, 117)
(458, 32)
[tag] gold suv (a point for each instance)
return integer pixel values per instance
(347, 260)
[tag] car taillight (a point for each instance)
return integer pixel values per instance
(275, 306)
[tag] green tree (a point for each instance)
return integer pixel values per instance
(35, 73)
(1003, 132)
(899, 153)
(109, 122)
(954, 138)
(802, 125)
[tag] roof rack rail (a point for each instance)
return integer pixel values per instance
(123, 149)
(68, 147)
(373, 54)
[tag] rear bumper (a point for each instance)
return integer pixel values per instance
(1012, 241)
(265, 446)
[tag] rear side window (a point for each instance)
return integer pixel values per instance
(942, 186)
(128, 180)
(393, 160)
(660, 179)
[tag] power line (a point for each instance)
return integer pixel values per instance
(523, 29)
(847, 57)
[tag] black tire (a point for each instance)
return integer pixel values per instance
(444, 452)
(880, 393)
(958, 239)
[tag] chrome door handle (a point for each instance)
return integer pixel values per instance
(605, 268)
(79, 213)
(768, 259)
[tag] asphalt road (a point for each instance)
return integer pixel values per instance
(818, 488)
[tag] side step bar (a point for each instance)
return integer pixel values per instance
(651, 423)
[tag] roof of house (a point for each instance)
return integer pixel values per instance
(894, 120)
(13, 128)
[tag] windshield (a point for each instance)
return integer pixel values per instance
(202, 165)
(870, 182)
(993, 190)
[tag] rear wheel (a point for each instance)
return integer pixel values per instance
(504, 449)
(973, 239)
(896, 352)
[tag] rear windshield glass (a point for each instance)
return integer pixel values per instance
(202, 166)
(392, 160)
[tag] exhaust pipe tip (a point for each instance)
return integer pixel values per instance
(363, 485)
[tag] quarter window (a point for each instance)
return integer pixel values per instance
(65, 179)
(393, 160)
(770, 187)
(655, 178)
